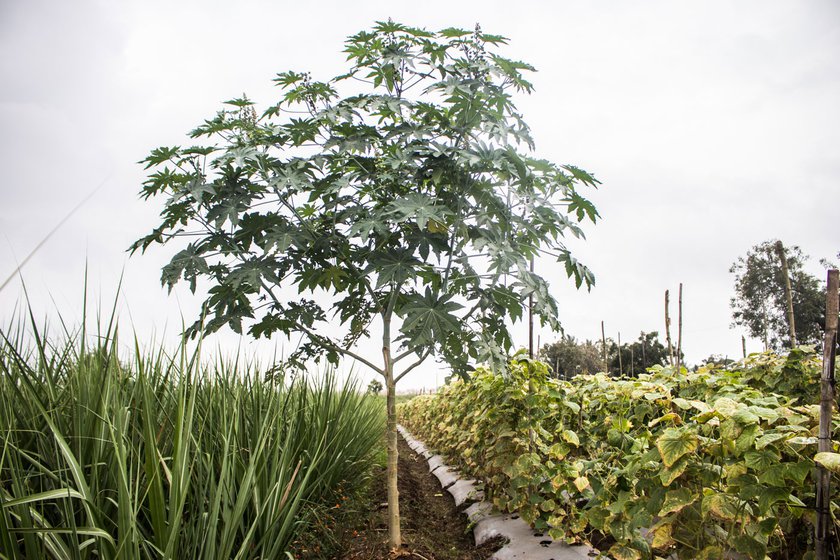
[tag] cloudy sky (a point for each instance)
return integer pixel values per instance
(712, 125)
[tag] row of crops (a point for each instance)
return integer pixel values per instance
(166, 458)
(716, 463)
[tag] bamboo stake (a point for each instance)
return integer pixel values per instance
(780, 251)
(668, 331)
(604, 347)
(832, 308)
(531, 318)
(679, 330)
(620, 367)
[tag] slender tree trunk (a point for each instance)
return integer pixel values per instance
(668, 330)
(644, 358)
(679, 330)
(780, 251)
(832, 307)
(394, 536)
(744, 346)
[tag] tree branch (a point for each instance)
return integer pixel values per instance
(419, 361)
(324, 341)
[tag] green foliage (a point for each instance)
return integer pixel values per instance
(164, 458)
(567, 357)
(710, 463)
(374, 387)
(637, 356)
(405, 186)
(759, 303)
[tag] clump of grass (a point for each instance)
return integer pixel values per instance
(163, 457)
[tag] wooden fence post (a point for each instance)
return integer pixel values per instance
(604, 348)
(668, 331)
(832, 308)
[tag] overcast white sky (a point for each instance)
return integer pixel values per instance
(713, 126)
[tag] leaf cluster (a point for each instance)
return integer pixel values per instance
(405, 187)
(705, 465)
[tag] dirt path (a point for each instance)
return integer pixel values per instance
(432, 528)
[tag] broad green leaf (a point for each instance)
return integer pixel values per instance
(674, 443)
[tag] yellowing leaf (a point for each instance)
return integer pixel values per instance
(662, 536)
(571, 437)
(622, 552)
(670, 417)
(674, 444)
(670, 474)
(726, 407)
(676, 500)
(721, 506)
(829, 460)
(581, 483)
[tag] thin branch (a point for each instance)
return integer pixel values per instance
(419, 361)
(324, 341)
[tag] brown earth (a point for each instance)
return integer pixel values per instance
(432, 528)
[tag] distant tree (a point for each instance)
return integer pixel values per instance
(374, 387)
(717, 360)
(759, 303)
(567, 357)
(403, 193)
(637, 356)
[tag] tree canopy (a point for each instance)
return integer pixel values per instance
(416, 196)
(759, 303)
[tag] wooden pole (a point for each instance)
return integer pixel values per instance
(604, 348)
(620, 367)
(780, 251)
(832, 308)
(531, 318)
(679, 330)
(668, 331)
(644, 359)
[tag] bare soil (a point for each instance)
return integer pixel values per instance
(432, 528)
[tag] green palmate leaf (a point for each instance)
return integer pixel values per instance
(770, 496)
(761, 460)
(750, 546)
(674, 443)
